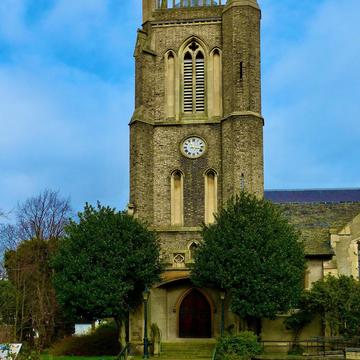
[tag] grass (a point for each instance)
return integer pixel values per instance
(51, 357)
(262, 357)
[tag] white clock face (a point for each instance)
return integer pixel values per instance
(193, 147)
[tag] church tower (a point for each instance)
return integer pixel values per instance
(196, 139)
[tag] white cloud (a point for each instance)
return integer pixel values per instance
(64, 110)
(63, 129)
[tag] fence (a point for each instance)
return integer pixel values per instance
(171, 4)
(319, 346)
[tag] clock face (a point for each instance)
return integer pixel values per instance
(193, 147)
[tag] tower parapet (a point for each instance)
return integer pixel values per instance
(152, 7)
(172, 4)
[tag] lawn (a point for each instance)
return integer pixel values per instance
(51, 357)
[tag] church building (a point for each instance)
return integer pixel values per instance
(196, 139)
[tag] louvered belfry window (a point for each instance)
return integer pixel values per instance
(194, 80)
(188, 83)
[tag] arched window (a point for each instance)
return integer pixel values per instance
(215, 84)
(170, 84)
(193, 79)
(210, 196)
(177, 184)
(192, 248)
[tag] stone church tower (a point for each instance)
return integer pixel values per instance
(196, 139)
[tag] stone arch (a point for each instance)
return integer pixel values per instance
(195, 314)
(214, 75)
(197, 39)
(211, 195)
(177, 198)
(192, 247)
(170, 62)
(193, 59)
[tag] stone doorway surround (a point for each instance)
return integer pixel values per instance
(195, 315)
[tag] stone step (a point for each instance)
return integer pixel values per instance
(188, 350)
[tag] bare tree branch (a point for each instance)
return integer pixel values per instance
(42, 217)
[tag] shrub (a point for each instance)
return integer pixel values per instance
(243, 346)
(28, 353)
(103, 341)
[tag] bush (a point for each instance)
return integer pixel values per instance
(103, 341)
(28, 353)
(235, 347)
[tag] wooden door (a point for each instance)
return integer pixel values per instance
(195, 316)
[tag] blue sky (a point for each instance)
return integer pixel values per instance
(66, 96)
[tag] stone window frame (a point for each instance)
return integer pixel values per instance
(190, 249)
(215, 85)
(177, 214)
(198, 88)
(171, 84)
(209, 218)
(174, 83)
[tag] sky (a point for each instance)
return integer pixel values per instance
(67, 94)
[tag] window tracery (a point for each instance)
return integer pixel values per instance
(193, 79)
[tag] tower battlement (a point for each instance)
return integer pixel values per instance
(152, 7)
(174, 4)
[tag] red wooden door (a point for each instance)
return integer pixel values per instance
(195, 316)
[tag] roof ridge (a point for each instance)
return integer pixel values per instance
(314, 189)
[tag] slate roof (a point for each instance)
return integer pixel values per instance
(313, 196)
(317, 212)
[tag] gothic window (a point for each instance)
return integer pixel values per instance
(193, 79)
(215, 83)
(210, 196)
(188, 83)
(192, 248)
(177, 216)
(170, 84)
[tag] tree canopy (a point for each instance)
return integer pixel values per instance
(253, 253)
(42, 217)
(336, 300)
(7, 302)
(104, 263)
(35, 306)
(27, 245)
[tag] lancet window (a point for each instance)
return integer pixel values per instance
(193, 79)
(177, 198)
(210, 196)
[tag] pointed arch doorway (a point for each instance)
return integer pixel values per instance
(195, 316)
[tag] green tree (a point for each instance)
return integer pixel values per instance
(104, 263)
(337, 300)
(254, 254)
(7, 302)
(35, 305)
(28, 244)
